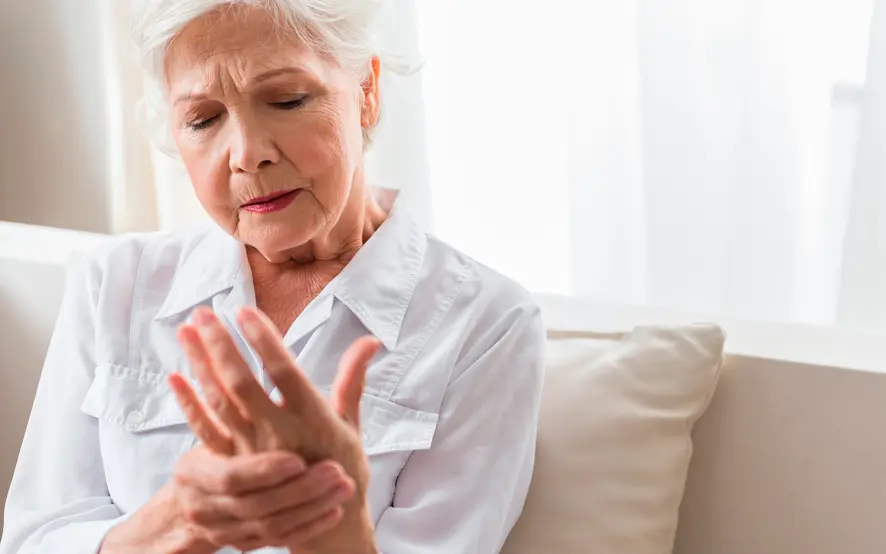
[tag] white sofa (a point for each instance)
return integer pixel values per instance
(790, 457)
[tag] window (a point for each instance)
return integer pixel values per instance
(708, 156)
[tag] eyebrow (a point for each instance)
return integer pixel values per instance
(267, 75)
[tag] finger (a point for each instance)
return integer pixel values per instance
(206, 430)
(319, 482)
(216, 396)
(242, 474)
(311, 530)
(293, 384)
(351, 379)
(189, 338)
(297, 537)
(278, 531)
(230, 368)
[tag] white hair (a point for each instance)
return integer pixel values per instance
(347, 30)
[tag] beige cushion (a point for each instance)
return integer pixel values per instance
(614, 440)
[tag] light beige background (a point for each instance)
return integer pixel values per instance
(53, 114)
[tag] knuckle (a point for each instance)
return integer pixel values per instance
(183, 472)
(214, 342)
(272, 464)
(214, 336)
(242, 386)
(213, 399)
(180, 473)
(192, 512)
(192, 509)
(245, 509)
(219, 536)
(226, 411)
(264, 529)
(280, 499)
(227, 480)
(272, 528)
(278, 367)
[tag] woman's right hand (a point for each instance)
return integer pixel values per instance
(246, 502)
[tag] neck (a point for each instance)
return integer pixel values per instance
(335, 247)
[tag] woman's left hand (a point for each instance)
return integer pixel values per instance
(241, 418)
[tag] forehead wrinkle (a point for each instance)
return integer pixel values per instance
(228, 68)
(219, 55)
(242, 55)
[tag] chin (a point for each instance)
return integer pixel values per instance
(272, 237)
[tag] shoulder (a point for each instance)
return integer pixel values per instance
(121, 263)
(131, 248)
(488, 309)
(483, 291)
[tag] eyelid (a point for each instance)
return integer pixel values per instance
(293, 102)
(200, 124)
(292, 98)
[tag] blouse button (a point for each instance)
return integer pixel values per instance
(135, 417)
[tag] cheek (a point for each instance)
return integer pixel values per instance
(208, 175)
(322, 144)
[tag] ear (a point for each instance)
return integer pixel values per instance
(369, 117)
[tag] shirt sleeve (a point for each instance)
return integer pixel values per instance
(465, 493)
(58, 500)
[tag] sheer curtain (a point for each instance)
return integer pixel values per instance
(724, 156)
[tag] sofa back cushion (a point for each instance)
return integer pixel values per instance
(615, 439)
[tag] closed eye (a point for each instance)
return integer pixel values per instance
(202, 124)
(290, 104)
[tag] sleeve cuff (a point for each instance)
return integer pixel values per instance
(80, 538)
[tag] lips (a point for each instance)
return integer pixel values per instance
(272, 202)
(268, 198)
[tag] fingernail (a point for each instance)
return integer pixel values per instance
(342, 492)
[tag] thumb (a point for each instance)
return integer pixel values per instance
(351, 378)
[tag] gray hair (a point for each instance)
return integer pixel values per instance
(347, 30)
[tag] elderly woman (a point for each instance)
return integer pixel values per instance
(309, 373)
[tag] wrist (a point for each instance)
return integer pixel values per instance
(156, 527)
(355, 534)
(358, 519)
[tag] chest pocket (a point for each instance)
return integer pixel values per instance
(389, 427)
(391, 434)
(142, 431)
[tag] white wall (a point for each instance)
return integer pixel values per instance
(53, 115)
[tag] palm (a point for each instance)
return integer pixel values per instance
(243, 419)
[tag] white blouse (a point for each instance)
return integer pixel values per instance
(449, 413)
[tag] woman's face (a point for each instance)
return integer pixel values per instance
(269, 131)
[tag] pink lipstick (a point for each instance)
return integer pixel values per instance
(271, 203)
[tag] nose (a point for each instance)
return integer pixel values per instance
(252, 147)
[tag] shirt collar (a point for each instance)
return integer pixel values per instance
(376, 285)
(215, 263)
